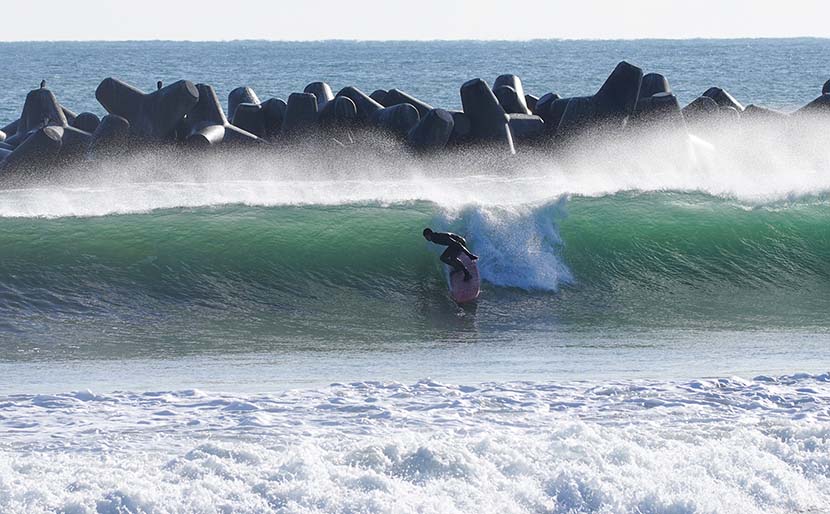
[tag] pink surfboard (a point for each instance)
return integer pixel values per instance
(461, 291)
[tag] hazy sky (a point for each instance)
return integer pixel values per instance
(419, 19)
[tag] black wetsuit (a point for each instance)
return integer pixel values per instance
(456, 245)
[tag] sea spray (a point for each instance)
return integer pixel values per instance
(518, 246)
(752, 163)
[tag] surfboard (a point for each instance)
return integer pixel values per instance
(461, 291)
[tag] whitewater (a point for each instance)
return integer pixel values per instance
(725, 445)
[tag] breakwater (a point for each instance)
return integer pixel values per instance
(501, 117)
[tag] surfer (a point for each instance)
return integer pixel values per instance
(455, 246)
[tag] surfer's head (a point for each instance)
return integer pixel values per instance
(428, 234)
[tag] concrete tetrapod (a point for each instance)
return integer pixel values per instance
(241, 95)
(659, 109)
(208, 125)
(338, 118)
(820, 105)
(432, 133)
(514, 83)
(610, 107)
(322, 92)
(70, 116)
(38, 151)
(74, 143)
(41, 109)
(19, 137)
(342, 112)
(345, 110)
(577, 114)
(378, 95)
(86, 121)
(542, 109)
(729, 114)
(617, 98)
(397, 97)
(554, 113)
(757, 113)
(510, 100)
(152, 116)
(250, 118)
(700, 110)
(11, 128)
(497, 116)
(544, 103)
(273, 112)
(300, 115)
(654, 83)
(111, 137)
(526, 127)
(398, 119)
(489, 122)
(659, 123)
(366, 106)
(531, 102)
(462, 129)
(723, 98)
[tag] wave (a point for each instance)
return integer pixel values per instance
(649, 231)
(652, 238)
(665, 256)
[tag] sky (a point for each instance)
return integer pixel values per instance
(210, 20)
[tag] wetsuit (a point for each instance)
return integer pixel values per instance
(455, 246)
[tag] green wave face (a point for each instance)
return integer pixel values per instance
(363, 271)
(678, 258)
(295, 267)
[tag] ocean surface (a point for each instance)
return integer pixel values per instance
(250, 333)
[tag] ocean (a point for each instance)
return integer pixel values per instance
(251, 333)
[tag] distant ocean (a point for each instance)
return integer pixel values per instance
(240, 334)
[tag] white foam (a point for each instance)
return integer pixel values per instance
(751, 162)
(519, 246)
(726, 445)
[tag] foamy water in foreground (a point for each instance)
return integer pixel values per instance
(727, 445)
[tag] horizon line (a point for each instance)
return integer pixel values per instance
(458, 40)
